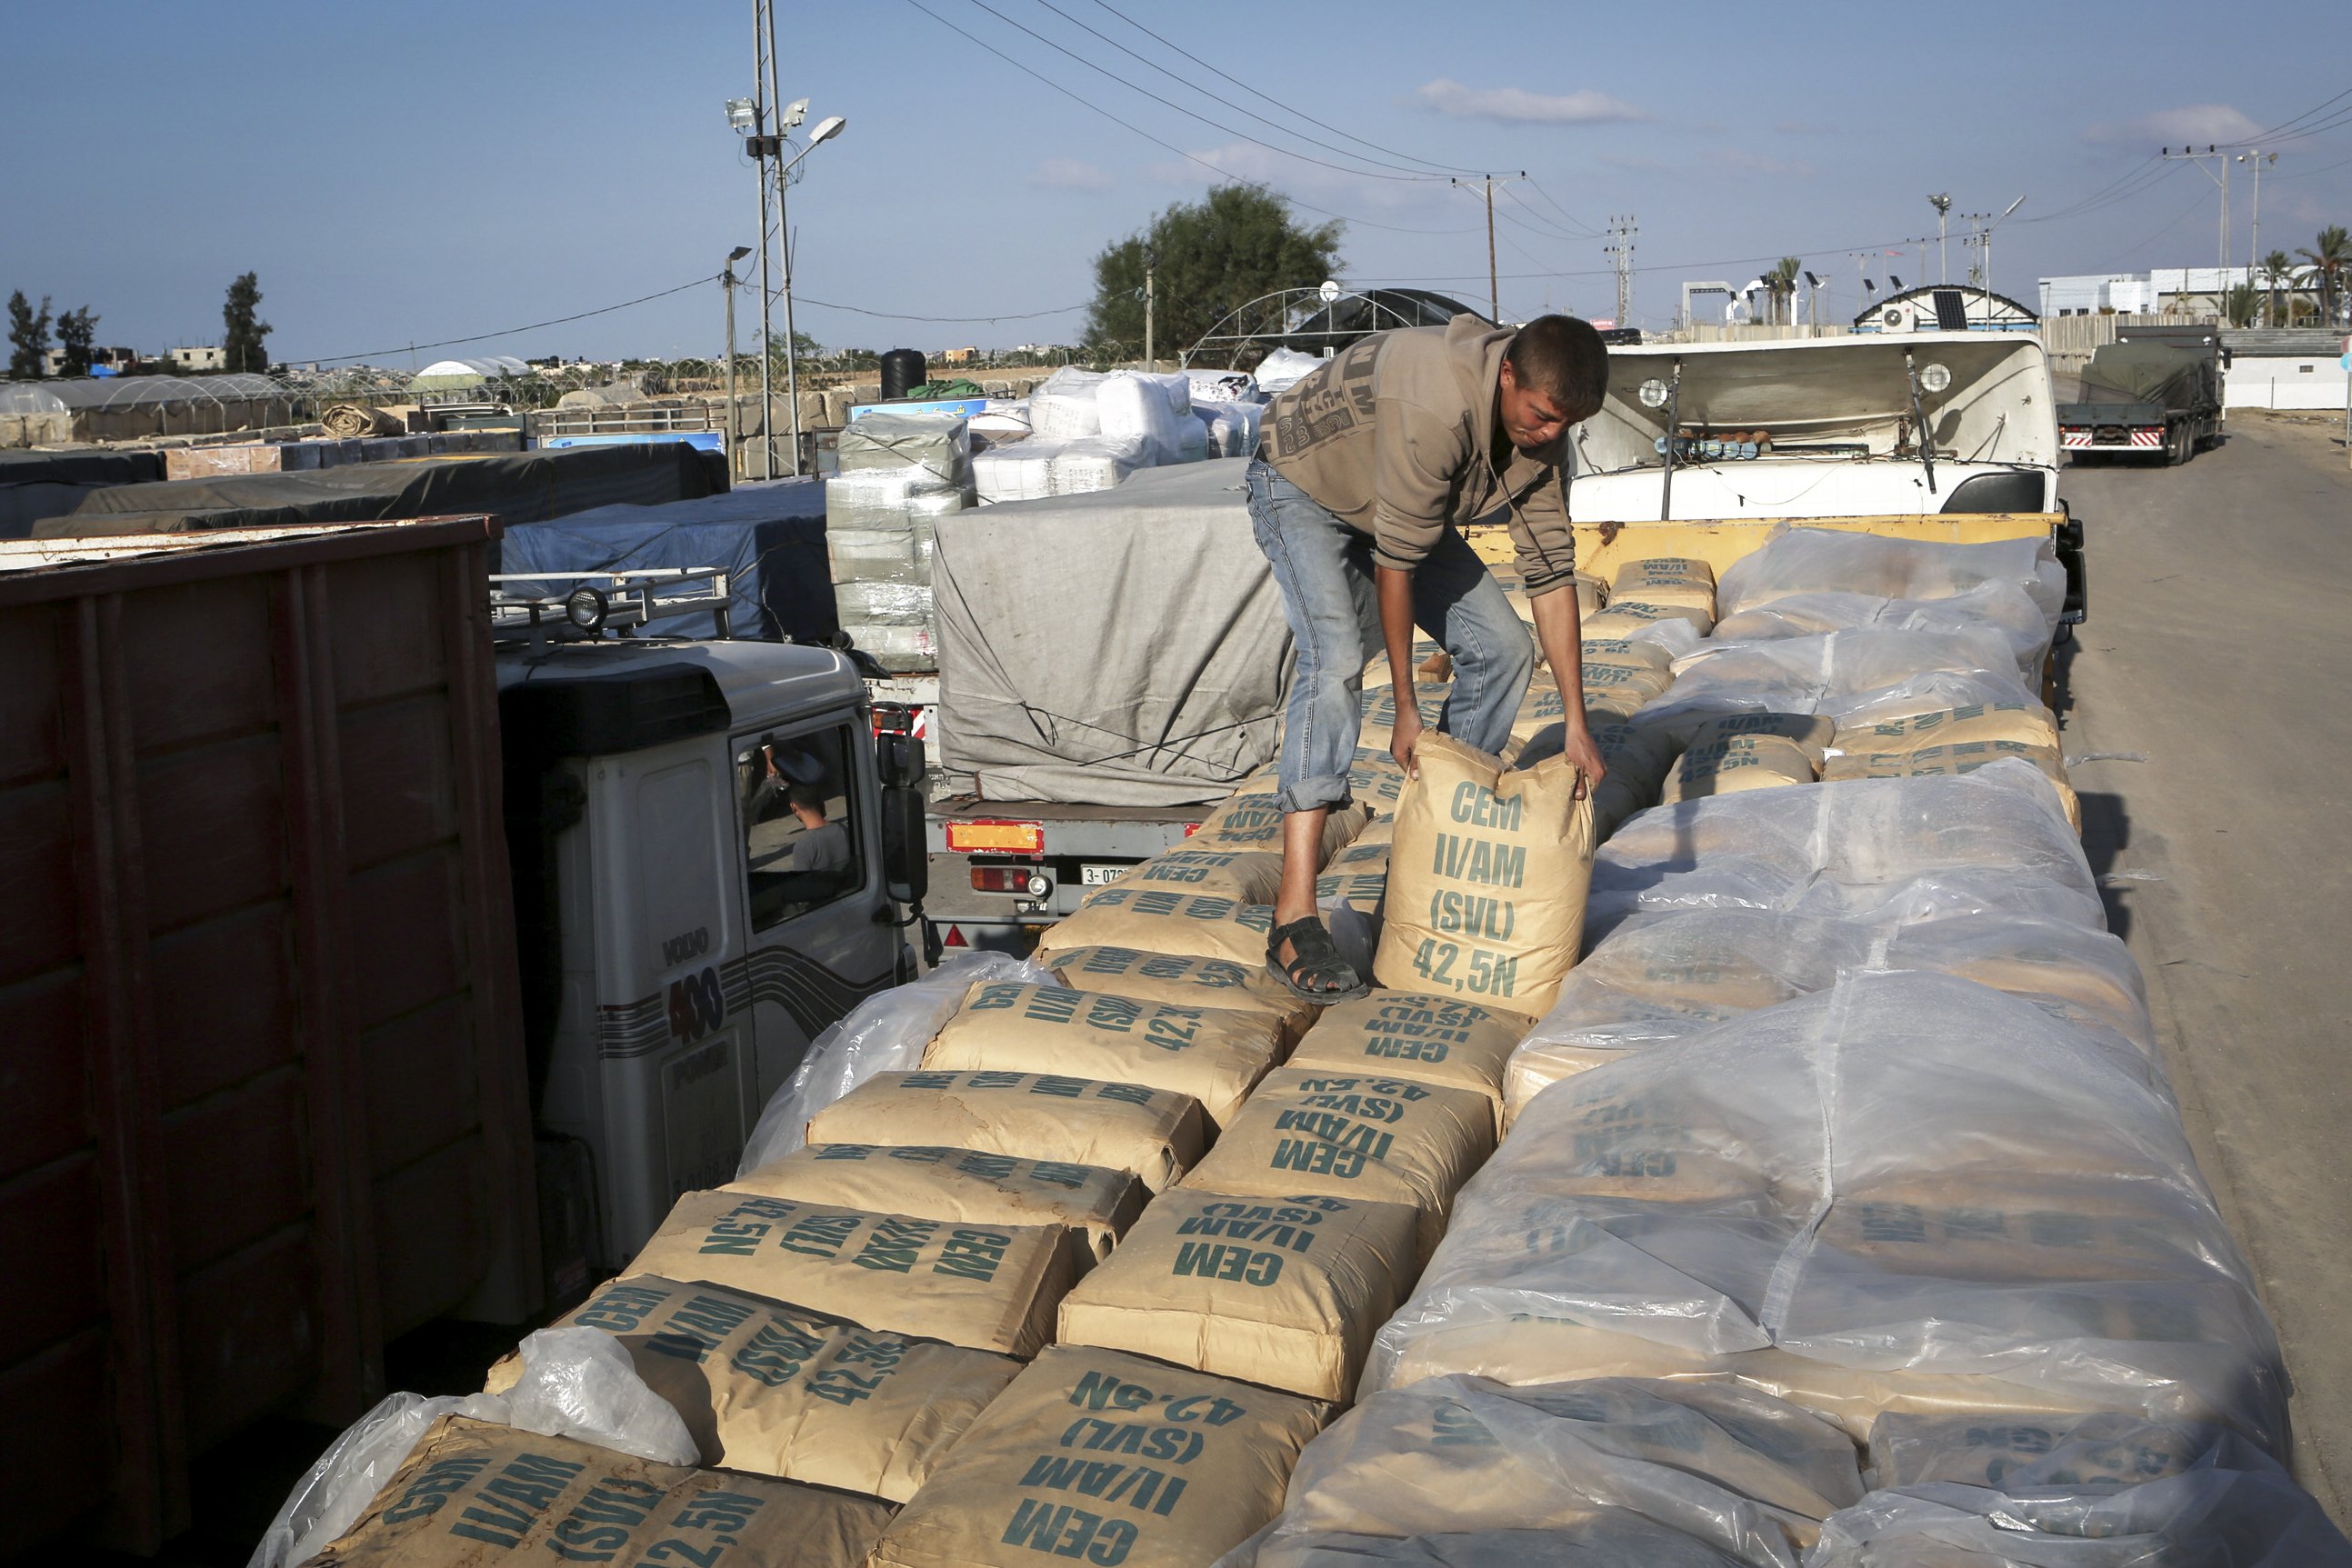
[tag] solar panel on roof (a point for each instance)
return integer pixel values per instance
(1951, 310)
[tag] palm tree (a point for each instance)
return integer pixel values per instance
(1780, 283)
(2329, 257)
(2275, 268)
(2243, 304)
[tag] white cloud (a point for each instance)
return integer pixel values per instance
(1516, 106)
(2197, 123)
(1069, 174)
(1751, 162)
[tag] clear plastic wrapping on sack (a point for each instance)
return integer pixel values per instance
(1213, 386)
(1017, 471)
(1096, 463)
(936, 445)
(865, 604)
(1283, 369)
(1906, 1193)
(1809, 561)
(1890, 849)
(1063, 405)
(1658, 979)
(1234, 427)
(885, 1033)
(2001, 607)
(1838, 674)
(1137, 409)
(1747, 1475)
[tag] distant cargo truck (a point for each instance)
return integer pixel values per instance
(2147, 396)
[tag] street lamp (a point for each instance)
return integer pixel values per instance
(826, 129)
(727, 287)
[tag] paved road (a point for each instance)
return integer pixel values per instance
(2218, 647)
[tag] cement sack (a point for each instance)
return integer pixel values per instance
(1624, 686)
(1747, 751)
(1955, 760)
(985, 1287)
(1638, 757)
(1656, 981)
(1173, 978)
(1623, 617)
(1614, 1539)
(1213, 1055)
(1162, 921)
(1486, 881)
(472, 1494)
(780, 1391)
(1667, 580)
(1253, 821)
(1379, 707)
(1838, 674)
(1356, 876)
(1280, 1291)
(1428, 1038)
(2020, 724)
(1063, 405)
(1894, 849)
(1809, 561)
(1149, 1132)
(2031, 1453)
(1106, 1459)
(1749, 1476)
(965, 1186)
(1249, 877)
(1377, 1137)
(937, 445)
(1738, 1206)
(2207, 1517)
(2002, 606)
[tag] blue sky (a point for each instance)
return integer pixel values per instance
(409, 172)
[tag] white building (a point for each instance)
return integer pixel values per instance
(2303, 367)
(2161, 291)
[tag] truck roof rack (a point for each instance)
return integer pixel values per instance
(590, 604)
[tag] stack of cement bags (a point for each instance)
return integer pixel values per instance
(900, 474)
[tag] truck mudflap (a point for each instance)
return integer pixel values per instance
(2068, 542)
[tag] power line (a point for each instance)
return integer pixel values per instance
(1258, 185)
(1169, 103)
(2135, 247)
(511, 331)
(2149, 171)
(2281, 129)
(2307, 173)
(1573, 221)
(1286, 108)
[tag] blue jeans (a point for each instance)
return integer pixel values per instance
(1324, 571)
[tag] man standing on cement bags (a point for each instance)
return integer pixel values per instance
(1365, 473)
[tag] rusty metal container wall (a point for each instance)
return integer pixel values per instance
(263, 1100)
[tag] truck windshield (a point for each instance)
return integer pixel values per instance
(801, 838)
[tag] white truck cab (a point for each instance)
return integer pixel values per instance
(697, 831)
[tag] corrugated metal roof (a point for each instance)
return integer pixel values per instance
(2284, 342)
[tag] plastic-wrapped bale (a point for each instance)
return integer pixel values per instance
(1106, 1458)
(1093, 463)
(2002, 606)
(1149, 1132)
(1282, 1292)
(1175, 977)
(937, 445)
(1406, 1034)
(780, 1391)
(1842, 674)
(1017, 470)
(1666, 580)
(1746, 1474)
(1251, 876)
(474, 1493)
(1211, 387)
(1160, 920)
(1063, 407)
(985, 1287)
(1487, 879)
(1957, 759)
(968, 1186)
(1137, 408)
(1892, 848)
(1253, 820)
(1747, 751)
(1212, 1054)
(1353, 1134)
(1909, 1193)
(1812, 560)
(1234, 427)
(2232, 1507)
(2096, 1450)
(1659, 979)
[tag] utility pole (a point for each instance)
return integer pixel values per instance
(727, 283)
(2222, 158)
(1942, 202)
(2254, 243)
(1494, 290)
(763, 65)
(1618, 248)
(1151, 267)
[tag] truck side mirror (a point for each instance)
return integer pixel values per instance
(905, 859)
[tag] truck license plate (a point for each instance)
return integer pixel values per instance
(1100, 875)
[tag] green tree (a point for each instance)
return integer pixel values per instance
(76, 330)
(242, 343)
(1207, 257)
(2277, 270)
(1780, 283)
(2330, 255)
(28, 337)
(2242, 307)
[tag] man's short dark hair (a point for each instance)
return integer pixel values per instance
(1563, 358)
(805, 798)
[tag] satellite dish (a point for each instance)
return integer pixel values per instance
(1329, 291)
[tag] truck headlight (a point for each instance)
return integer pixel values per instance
(1935, 378)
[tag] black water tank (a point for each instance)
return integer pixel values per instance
(902, 372)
